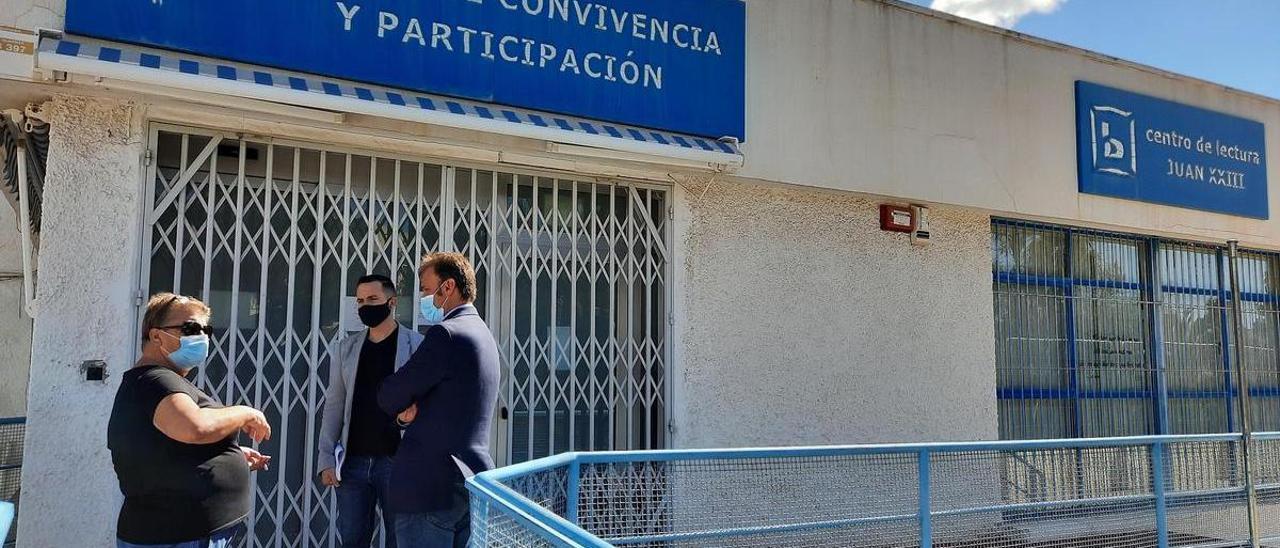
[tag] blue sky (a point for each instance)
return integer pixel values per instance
(1231, 42)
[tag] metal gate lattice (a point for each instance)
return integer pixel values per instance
(573, 278)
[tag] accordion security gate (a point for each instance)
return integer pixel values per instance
(1156, 491)
(272, 234)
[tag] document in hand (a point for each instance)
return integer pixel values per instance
(338, 455)
(462, 467)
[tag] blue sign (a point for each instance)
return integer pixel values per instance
(1141, 148)
(675, 65)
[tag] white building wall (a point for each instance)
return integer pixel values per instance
(802, 323)
(892, 100)
(15, 326)
(88, 266)
(33, 14)
(799, 322)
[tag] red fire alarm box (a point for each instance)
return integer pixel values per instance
(895, 218)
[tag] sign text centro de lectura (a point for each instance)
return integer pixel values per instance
(675, 65)
(1142, 148)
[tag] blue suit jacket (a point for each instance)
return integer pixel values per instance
(453, 377)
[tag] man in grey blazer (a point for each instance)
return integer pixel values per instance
(353, 425)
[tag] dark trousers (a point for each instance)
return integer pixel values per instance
(448, 528)
(364, 486)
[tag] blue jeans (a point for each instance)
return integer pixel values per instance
(450, 528)
(365, 483)
(227, 537)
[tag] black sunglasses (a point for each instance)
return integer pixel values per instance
(191, 327)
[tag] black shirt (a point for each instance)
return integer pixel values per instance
(373, 433)
(173, 491)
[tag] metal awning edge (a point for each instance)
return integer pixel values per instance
(170, 69)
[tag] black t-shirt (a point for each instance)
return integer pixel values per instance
(173, 491)
(373, 433)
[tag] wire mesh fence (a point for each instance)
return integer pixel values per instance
(12, 434)
(1153, 491)
(689, 502)
(1132, 374)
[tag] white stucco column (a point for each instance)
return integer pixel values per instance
(88, 271)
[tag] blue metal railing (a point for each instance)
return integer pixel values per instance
(1155, 491)
(12, 434)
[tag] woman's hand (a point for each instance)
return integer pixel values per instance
(255, 424)
(405, 417)
(257, 461)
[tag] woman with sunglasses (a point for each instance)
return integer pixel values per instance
(185, 480)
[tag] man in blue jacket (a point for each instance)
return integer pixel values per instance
(449, 388)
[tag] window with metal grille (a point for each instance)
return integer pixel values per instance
(1101, 334)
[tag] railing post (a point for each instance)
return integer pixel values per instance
(1242, 387)
(571, 494)
(926, 513)
(1162, 506)
(1155, 318)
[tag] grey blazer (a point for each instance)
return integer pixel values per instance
(342, 379)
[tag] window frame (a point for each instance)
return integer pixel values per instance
(1152, 287)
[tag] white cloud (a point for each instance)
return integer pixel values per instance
(1001, 13)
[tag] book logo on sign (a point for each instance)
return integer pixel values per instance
(1115, 141)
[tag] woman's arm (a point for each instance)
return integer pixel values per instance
(178, 417)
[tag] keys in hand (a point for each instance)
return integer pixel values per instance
(256, 426)
(257, 461)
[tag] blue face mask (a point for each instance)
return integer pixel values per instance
(192, 351)
(431, 313)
